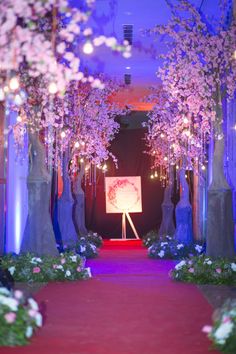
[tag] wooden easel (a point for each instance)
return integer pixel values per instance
(124, 215)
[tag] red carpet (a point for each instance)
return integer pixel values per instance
(129, 307)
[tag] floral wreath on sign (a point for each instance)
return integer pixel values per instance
(116, 186)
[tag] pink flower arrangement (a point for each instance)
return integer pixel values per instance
(218, 270)
(10, 317)
(36, 270)
(191, 270)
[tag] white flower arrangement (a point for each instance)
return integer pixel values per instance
(223, 331)
(203, 270)
(19, 318)
(169, 248)
(28, 268)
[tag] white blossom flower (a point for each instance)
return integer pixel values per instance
(4, 291)
(198, 248)
(82, 248)
(233, 267)
(73, 258)
(179, 246)
(68, 273)
(88, 269)
(223, 331)
(29, 332)
(11, 303)
(33, 304)
(180, 265)
(12, 270)
(161, 253)
(39, 319)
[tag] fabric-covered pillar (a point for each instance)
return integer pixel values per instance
(17, 193)
(2, 178)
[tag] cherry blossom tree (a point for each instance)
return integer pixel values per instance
(89, 127)
(198, 73)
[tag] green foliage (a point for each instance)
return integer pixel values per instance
(18, 318)
(150, 238)
(169, 248)
(30, 268)
(203, 270)
(223, 331)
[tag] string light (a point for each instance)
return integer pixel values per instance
(162, 135)
(185, 120)
(156, 174)
(19, 119)
(81, 160)
(165, 158)
(52, 88)
(203, 167)
(77, 144)
(234, 55)
(152, 176)
(6, 89)
(14, 83)
(88, 48)
(177, 167)
(63, 135)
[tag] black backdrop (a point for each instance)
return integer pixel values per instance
(128, 147)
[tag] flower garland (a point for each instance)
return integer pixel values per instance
(19, 318)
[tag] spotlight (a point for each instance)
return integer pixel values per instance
(52, 88)
(14, 83)
(2, 94)
(88, 48)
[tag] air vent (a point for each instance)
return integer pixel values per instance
(127, 79)
(128, 33)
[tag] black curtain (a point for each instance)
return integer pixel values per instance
(128, 147)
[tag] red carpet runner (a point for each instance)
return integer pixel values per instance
(129, 307)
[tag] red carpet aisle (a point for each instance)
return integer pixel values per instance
(129, 307)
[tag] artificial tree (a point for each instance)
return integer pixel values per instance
(198, 73)
(38, 63)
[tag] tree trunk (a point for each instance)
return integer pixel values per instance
(183, 213)
(38, 236)
(167, 223)
(79, 206)
(65, 208)
(220, 225)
